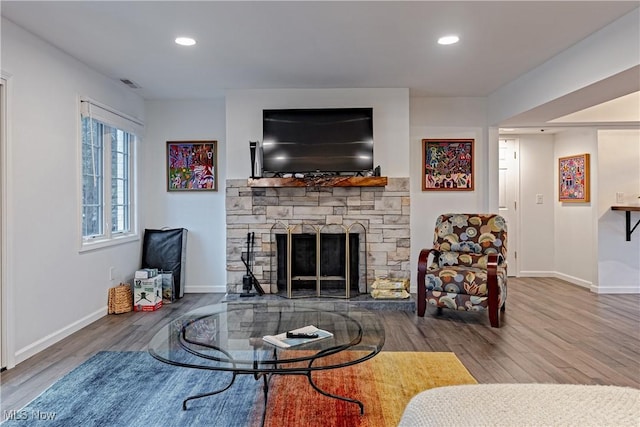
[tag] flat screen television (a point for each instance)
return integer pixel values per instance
(325, 140)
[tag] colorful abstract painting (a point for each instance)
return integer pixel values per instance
(573, 174)
(448, 164)
(192, 166)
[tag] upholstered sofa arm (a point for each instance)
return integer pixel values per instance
(423, 265)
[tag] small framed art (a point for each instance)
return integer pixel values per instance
(573, 177)
(448, 165)
(192, 166)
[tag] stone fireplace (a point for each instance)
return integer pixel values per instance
(383, 247)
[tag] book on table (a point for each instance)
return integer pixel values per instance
(298, 336)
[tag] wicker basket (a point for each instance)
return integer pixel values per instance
(120, 299)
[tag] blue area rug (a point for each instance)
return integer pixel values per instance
(134, 389)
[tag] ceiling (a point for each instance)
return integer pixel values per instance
(306, 44)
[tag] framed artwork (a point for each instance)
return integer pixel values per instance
(448, 165)
(192, 166)
(573, 174)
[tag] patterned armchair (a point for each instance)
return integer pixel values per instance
(468, 270)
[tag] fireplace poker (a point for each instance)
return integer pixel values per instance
(247, 280)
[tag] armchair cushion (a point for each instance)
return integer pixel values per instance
(462, 288)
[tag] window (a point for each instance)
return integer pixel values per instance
(108, 188)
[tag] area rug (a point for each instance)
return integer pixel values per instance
(133, 389)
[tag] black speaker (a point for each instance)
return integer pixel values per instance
(253, 145)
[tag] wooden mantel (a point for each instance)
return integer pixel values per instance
(627, 210)
(321, 181)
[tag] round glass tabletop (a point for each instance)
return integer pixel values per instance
(231, 337)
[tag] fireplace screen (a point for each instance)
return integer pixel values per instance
(318, 260)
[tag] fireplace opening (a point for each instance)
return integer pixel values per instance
(333, 261)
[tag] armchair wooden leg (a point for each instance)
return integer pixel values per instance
(422, 304)
(494, 318)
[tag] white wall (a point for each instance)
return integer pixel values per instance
(201, 213)
(390, 122)
(449, 118)
(618, 171)
(575, 225)
(52, 289)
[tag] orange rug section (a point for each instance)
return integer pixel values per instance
(384, 384)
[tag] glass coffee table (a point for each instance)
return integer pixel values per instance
(228, 337)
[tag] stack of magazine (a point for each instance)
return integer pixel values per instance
(281, 340)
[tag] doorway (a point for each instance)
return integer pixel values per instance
(509, 198)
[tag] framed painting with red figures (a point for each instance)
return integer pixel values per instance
(573, 177)
(447, 165)
(192, 166)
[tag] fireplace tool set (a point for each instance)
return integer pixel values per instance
(249, 280)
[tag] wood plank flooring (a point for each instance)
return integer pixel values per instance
(552, 332)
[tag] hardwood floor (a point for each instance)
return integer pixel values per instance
(552, 332)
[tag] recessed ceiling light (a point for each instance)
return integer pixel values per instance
(185, 41)
(452, 39)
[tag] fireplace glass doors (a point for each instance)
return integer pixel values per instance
(311, 260)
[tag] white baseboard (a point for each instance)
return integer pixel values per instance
(575, 280)
(630, 289)
(205, 289)
(536, 274)
(567, 278)
(36, 347)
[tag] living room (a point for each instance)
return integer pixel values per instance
(51, 289)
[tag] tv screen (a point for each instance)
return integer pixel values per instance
(317, 140)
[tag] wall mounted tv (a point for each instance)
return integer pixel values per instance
(326, 140)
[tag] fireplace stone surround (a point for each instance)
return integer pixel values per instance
(384, 212)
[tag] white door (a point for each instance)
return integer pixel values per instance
(509, 184)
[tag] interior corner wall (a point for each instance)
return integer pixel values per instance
(448, 118)
(575, 227)
(390, 122)
(618, 171)
(537, 167)
(202, 213)
(53, 289)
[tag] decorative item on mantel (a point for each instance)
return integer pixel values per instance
(390, 288)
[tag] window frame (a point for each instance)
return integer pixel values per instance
(120, 121)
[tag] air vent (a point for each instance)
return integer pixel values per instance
(131, 84)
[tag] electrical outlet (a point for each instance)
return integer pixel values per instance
(539, 199)
(619, 197)
(112, 271)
